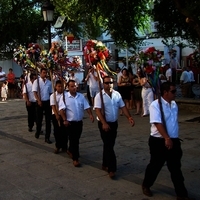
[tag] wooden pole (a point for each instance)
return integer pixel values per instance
(100, 90)
(54, 93)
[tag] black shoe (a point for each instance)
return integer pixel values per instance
(146, 191)
(48, 141)
(30, 129)
(37, 135)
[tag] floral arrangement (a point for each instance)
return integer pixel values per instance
(149, 56)
(97, 54)
(95, 51)
(55, 60)
(19, 55)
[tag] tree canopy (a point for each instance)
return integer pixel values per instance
(21, 21)
(177, 18)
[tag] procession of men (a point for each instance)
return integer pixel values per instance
(66, 110)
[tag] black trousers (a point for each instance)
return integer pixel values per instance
(60, 134)
(159, 155)
(108, 138)
(74, 131)
(46, 110)
(31, 114)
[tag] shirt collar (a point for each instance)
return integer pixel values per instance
(166, 103)
(70, 96)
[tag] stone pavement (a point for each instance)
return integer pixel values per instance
(29, 170)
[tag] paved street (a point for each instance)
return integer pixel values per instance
(29, 170)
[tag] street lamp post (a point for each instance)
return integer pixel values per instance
(47, 11)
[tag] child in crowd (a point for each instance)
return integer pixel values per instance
(4, 91)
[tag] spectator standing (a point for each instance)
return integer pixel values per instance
(107, 123)
(147, 94)
(4, 91)
(137, 92)
(30, 102)
(125, 87)
(168, 73)
(11, 83)
(185, 82)
(92, 76)
(42, 88)
(164, 142)
(72, 112)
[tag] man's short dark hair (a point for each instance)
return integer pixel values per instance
(43, 69)
(32, 75)
(70, 81)
(58, 82)
(166, 87)
(105, 78)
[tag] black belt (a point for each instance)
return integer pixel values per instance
(75, 121)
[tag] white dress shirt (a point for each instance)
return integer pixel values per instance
(45, 88)
(52, 99)
(185, 77)
(111, 104)
(28, 90)
(74, 106)
(168, 74)
(171, 118)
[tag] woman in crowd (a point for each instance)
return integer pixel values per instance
(147, 94)
(11, 83)
(137, 91)
(125, 87)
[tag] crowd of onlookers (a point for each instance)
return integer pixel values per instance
(7, 84)
(136, 89)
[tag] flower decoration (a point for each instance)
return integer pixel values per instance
(149, 56)
(33, 52)
(95, 51)
(74, 63)
(97, 54)
(19, 55)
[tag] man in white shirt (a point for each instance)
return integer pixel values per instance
(93, 83)
(168, 73)
(2, 77)
(71, 108)
(185, 82)
(107, 104)
(164, 142)
(30, 101)
(42, 89)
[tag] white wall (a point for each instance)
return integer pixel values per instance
(7, 64)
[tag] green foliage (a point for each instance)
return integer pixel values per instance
(20, 23)
(121, 19)
(171, 18)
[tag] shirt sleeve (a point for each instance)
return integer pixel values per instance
(35, 86)
(61, 104)
(24, 89)
(86, 104)
(97, 101)
(121, 102)
(155, 115)
(52, 102)
(50, 87)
